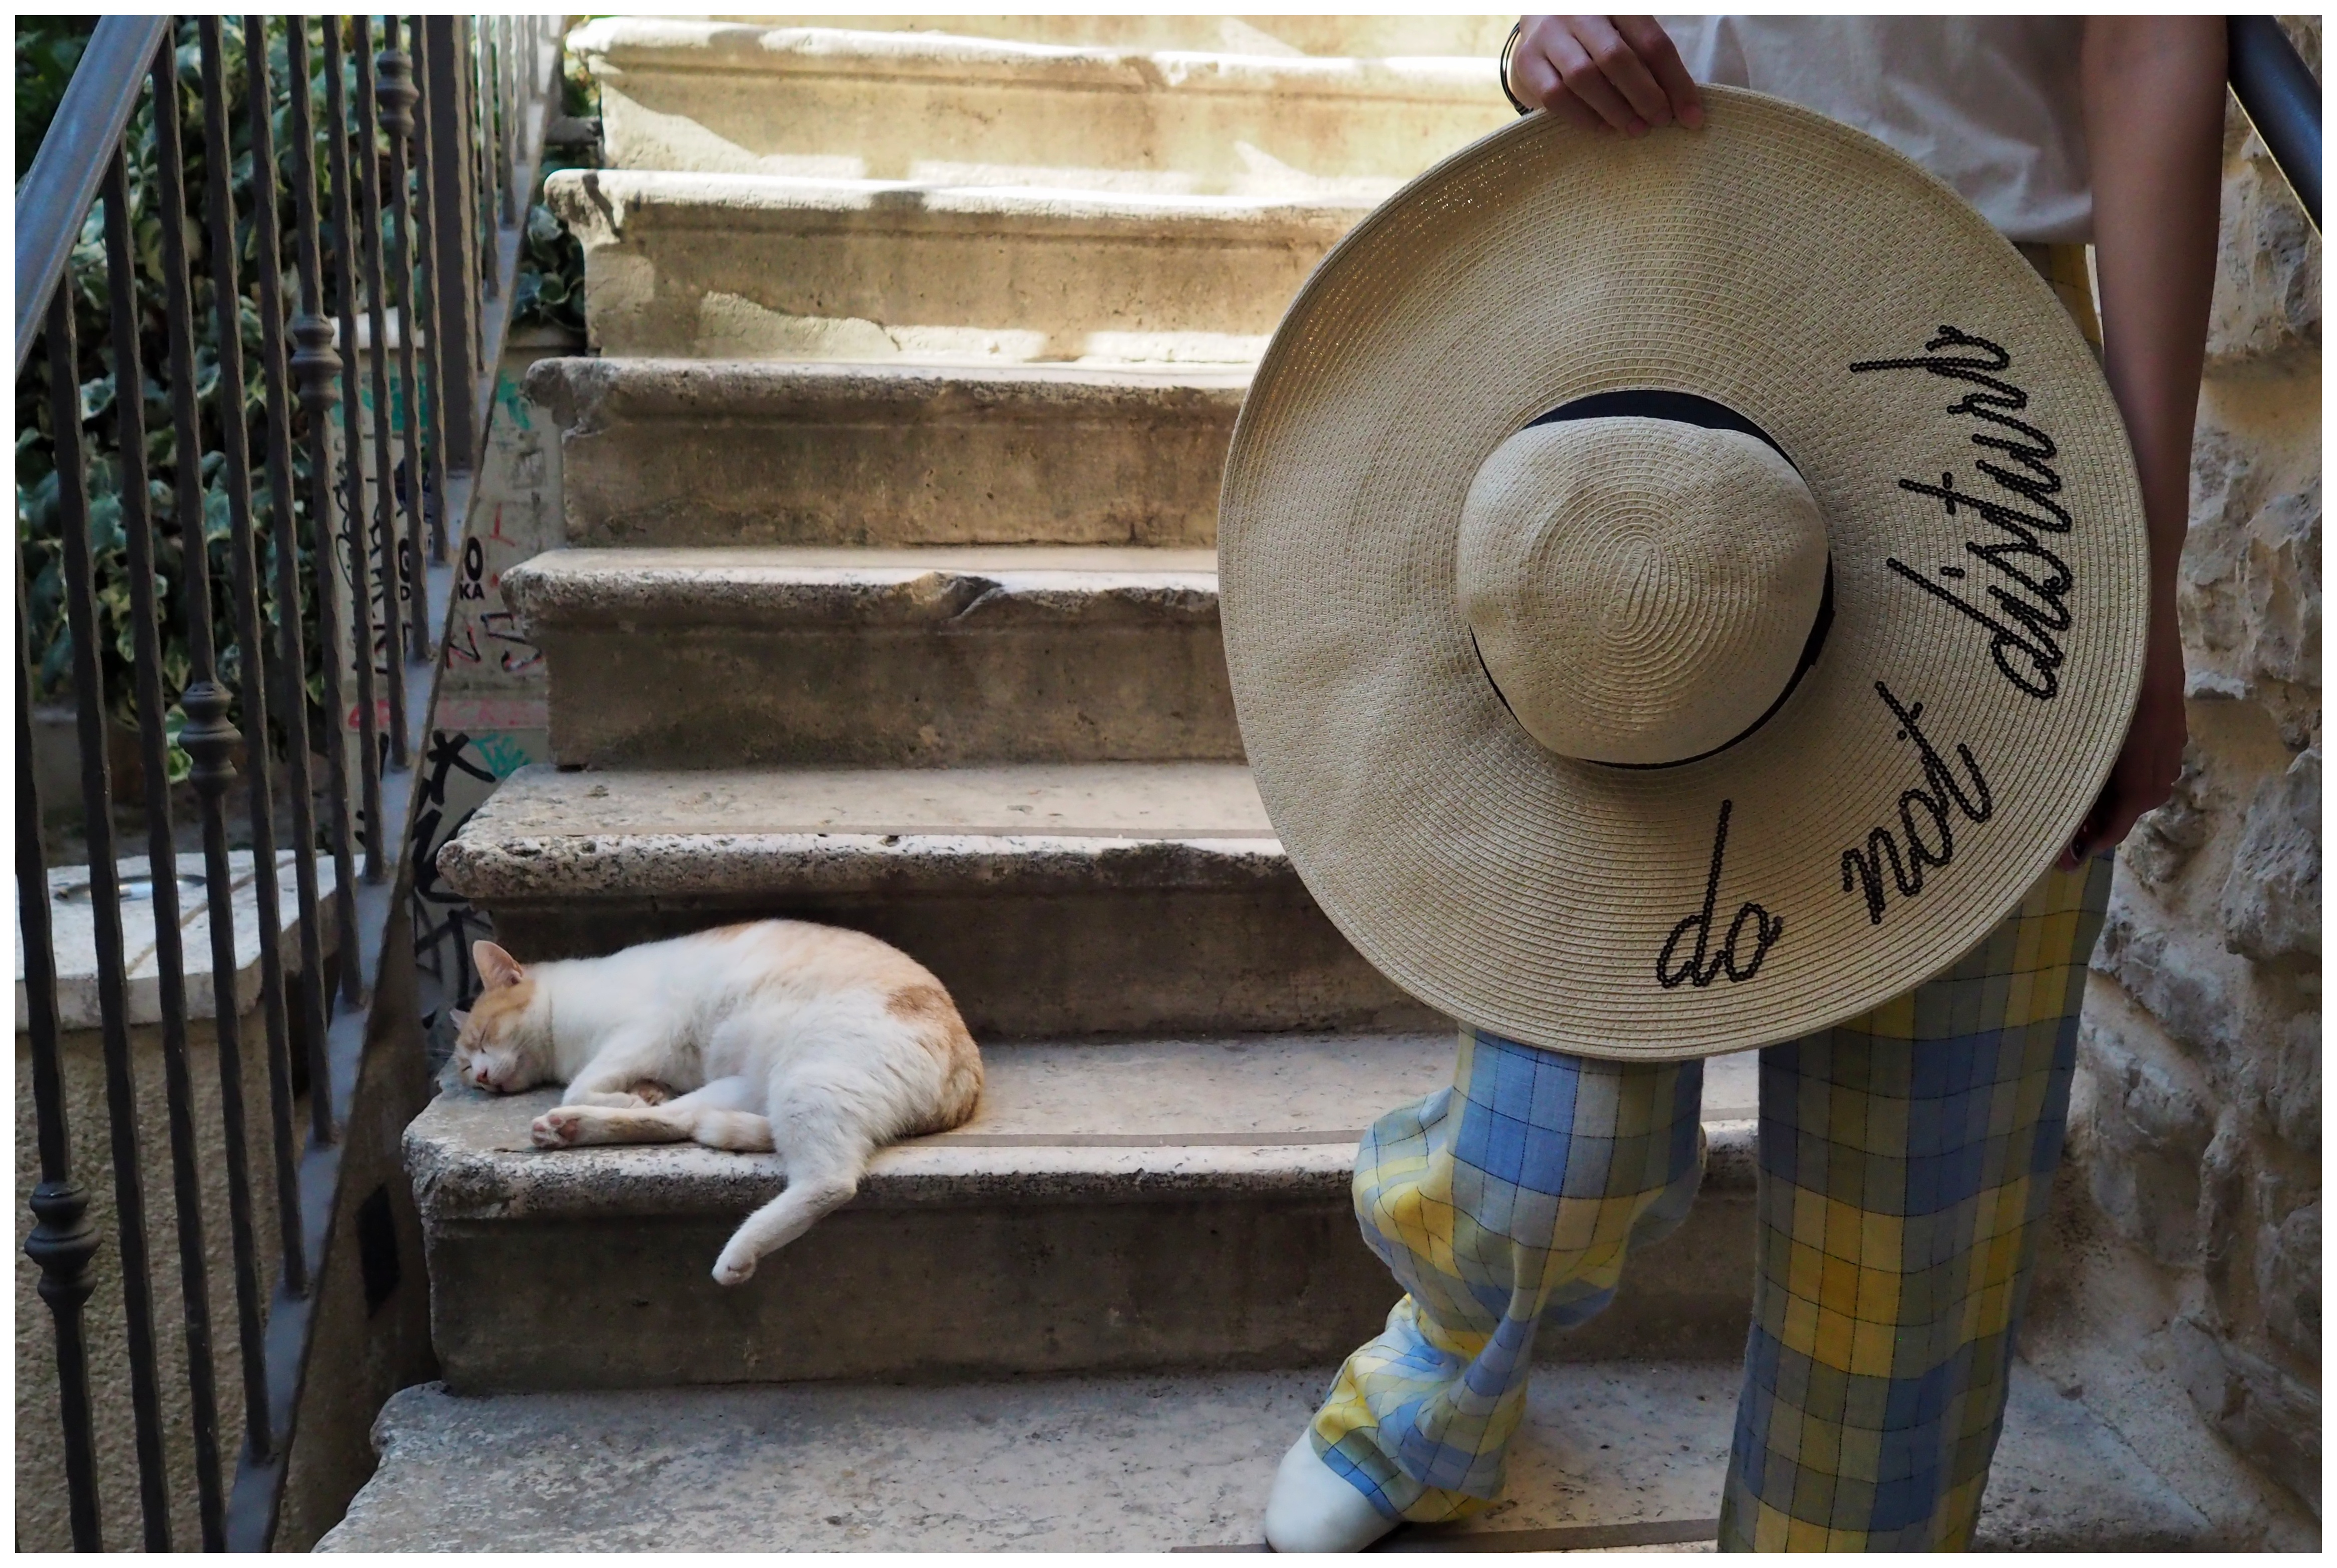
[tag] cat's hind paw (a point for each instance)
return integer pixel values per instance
(733, 1267)
(557, 1128)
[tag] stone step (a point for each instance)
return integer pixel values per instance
(1611, 1455)
(750, 267)
(1163, 1202)
(1355, 37)
(1050, 899)
(682, 452)
(878, 658)
(860, 105)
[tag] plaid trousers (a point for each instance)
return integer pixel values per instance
(1906, 1159)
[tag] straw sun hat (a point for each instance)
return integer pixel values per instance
(1681, 592)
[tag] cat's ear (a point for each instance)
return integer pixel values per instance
(462, 1019)
(496, 967)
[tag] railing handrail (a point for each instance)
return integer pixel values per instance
(2282, 101)
(58, 190)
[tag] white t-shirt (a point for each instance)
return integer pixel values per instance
(1987, 103)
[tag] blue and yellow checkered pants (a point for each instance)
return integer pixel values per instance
(1906, 1159)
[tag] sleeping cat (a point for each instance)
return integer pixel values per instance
(822, 1042)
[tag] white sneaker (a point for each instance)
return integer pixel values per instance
(1314, 1508)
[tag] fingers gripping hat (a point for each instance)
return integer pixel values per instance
(1679, 593)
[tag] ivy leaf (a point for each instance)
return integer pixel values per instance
(105, 534)
(96, 396)
(219, 521)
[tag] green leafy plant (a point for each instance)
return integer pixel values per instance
(549, 291)
(47, 48)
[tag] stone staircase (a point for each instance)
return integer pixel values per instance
(891, 602)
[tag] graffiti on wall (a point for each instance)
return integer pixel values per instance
(489, 720)
(459, 770)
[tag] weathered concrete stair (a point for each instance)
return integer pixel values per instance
(1612, 1455)
(751, 266)
(870, 658)
(1113, 1206)
(680, 451)
(1340, 37)
(855, 104)
(1050, 899)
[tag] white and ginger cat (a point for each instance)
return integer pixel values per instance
(820, 1042)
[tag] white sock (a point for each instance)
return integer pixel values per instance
(1314, 1508)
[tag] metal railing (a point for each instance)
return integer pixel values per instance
(405, 250)
(2282, 101)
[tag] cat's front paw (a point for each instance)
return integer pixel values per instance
(557, 1129)
(649, 1091)
(734, 1267)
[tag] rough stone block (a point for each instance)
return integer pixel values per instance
(2249, 590)
(1609, 1454)
(2179, 975)
(2164, 840)
(1347, 38)
(2267, 303)
(1050, 899)
(2271, 905)
(743, 98)
(2150, 1127)
(2292, 1083)
(2288, 1279)
(2267, 1414)
(921, 659)
(748, 267)
(684, 453)
(1129, 1204)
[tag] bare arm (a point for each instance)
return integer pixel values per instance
(2152, 89)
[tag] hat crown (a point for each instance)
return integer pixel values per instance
(1640, 590)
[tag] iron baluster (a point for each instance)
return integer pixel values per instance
(479, 103)
(252, 665)
(105, 921)
(209, 740)
(284, 543)
(425, 312)
(490, 137)
(62, 1242)
(394, 92)
(314, 368)
(453, 270)
(162, 853)
(506, 107)
(357, 543)
(387, 561)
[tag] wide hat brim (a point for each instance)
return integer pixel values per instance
(1922, 774)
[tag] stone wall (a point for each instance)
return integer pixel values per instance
(2192, 1202)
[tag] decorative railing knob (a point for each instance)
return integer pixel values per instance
(209, 738)
(315, 364)
(394, 90)
(62, 1242)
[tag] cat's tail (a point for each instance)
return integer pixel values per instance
(823, 1173)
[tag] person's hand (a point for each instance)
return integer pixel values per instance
(2143, 775)
(1620, 73)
